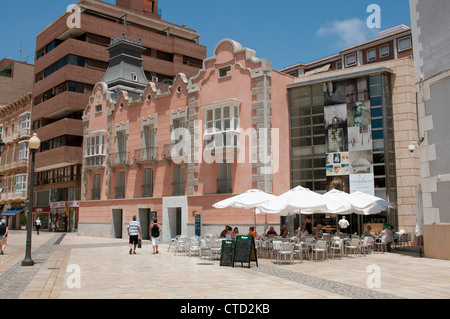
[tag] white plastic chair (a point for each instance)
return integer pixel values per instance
(275, 248)
(285, 250)
(215, 247)
(299, 249)
(337, 245)
(204, 247)
(381, 244)
(353, 246)
(367, 245)
(321, 246)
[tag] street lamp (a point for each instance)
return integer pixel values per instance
(33, 143)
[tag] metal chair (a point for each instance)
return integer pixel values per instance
(337, 245)
(181, 245)
(275, 248)
(215, 247)
(285, 250)
(353, 246)
(194, 246)
(321, 246)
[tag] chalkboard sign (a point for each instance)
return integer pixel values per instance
(198, 224)
(245, 250)
(227, 253)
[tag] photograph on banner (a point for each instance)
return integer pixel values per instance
(340, 183)
(359, 138)
(335, 140)
(363, 183)
(337, 164)
(335, 116)
(358, 114)
(361, 162)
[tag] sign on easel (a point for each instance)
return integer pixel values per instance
(245, 250)
(227, 253)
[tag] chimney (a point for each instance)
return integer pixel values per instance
(139, 6)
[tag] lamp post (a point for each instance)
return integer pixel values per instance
(33, 143)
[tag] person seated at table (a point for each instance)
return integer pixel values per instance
(302, 232)
(318, 233)
(251, 232)
(366, 232)
(271, 231)
(235, 232)
(389, 234)
(224, 232)
(229, 234)
(283, 231)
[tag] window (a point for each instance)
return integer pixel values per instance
(98, 108)
(23, 151)
(25, 121)
(120, 184)
(350, 59)
(404, 44)
(221, 125)
(371, 55)
(224, 178)
(147, 187)
(384, 51)
(134, 77)
(21, 182)
(225, 71)
(95, 145)
(96, 188)
(178, 180)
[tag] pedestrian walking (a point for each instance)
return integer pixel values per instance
(155, 229)
(38, 225)
(134, 231)
(3, 235)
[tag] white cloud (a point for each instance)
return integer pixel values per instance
(349, 32)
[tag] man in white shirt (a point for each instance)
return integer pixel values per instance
(343, 225)
(134, 231)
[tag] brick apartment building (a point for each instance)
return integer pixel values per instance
(71, 57)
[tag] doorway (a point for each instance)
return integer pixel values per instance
(117, 219)
(144, 220)
(175, 219)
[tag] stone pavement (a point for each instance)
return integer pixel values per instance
(68, 266)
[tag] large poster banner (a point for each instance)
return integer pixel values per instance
(363, 183)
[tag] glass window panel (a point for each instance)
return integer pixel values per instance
(376, 79)
(319, 140)
(226, 124)
(296, 133)
(319, 150)
(376, 112)
(305, 163)
(226, 112)
(317, 99)
(379, 170)
(317, 130)
(378, 158)
(301, 121)
(301, 175)
(320, 186)
(304, 101)
(319, 174)
(301, 91)
(319, 162)
(318, 119)
(301, 142)
(377, 123)
(375, 90)
(318, 109)
(377, 134)
(317, 89)
(380, 182)
(302, 152)
(375, 101)
(217, 114)
(378, 145)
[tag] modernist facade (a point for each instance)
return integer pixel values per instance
(173, 153)
(71, 57)
(352, 118)
(430, 26)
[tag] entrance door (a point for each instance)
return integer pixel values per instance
(174, 216)
(144, 220)
(117, 219)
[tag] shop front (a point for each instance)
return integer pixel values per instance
(64, 216)
(43, 212)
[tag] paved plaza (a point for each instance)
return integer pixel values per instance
(68, 266)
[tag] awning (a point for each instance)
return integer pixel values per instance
(12, 212)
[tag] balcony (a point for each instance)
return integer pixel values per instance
(145, 155)
(117, 159)
(92, 162)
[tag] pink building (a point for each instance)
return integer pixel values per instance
(172, 152)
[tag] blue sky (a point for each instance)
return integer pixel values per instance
(284, 32)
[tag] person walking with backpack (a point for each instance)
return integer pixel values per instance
(155, 230)
(3, 235)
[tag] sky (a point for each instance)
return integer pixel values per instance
(283, 32)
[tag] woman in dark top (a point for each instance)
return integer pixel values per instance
(308, 225)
